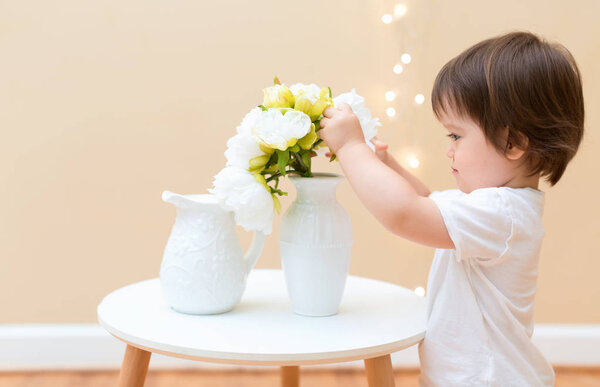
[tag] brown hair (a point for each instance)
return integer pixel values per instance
(520, 82)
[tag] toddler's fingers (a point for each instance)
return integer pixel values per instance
(343, 106)
(375, 141)
(380, 146)
(328, 112)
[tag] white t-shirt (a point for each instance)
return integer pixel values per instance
(480, 294)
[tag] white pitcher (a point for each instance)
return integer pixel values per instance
(203, 269)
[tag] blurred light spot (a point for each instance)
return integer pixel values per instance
(400, 10)
(386, 19)
(413, 162)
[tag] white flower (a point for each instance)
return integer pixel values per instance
(281, 130)
(240, 149)
(310, 92)
(357, 103)
(249, 121)
(237, 190)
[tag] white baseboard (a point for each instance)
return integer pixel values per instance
(90, 347)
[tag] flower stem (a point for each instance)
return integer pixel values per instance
(277, 174)
(299, 159)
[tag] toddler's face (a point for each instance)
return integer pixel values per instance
(475, 161)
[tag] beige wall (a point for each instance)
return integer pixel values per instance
(103, 105)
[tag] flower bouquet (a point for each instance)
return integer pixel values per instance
(275, 139)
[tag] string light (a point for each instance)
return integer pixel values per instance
(400, 10)
(396, 96)
(413, 162)
(419, 291)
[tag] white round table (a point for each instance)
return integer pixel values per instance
(375, 319)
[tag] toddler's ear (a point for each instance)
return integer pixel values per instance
(514, 152)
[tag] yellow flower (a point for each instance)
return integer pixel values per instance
(307, 141)
(278, 96)
(265, 148)
(258, 163)
(312, 104)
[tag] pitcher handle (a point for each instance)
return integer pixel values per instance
(256, 246)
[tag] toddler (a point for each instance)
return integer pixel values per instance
(513, 108)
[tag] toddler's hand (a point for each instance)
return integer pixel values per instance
(340, 127)
(380, 149)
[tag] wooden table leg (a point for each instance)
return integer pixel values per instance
(290, 376)
(380, 372)
(134, 367)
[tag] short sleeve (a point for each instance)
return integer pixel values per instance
(479, 223)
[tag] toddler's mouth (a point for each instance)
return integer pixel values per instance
(454, 170)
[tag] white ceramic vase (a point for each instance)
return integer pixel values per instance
(315, 243)
(204, 269)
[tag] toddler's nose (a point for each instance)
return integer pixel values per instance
(450, 152)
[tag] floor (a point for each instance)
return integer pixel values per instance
(567, 377)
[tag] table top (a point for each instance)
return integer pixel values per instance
(375, 318)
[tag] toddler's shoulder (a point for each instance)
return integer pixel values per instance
(506, 201)
(492, 193)
(482, 195)
(446, 194)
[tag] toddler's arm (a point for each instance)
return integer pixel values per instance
(417, 184)
(392, 199)
(386, 193)
(390, 161)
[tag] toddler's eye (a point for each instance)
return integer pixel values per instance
(453, 136)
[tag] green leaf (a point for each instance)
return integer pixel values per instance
(329, 92)
(282, 160)
(263, 107)
(333, 157)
